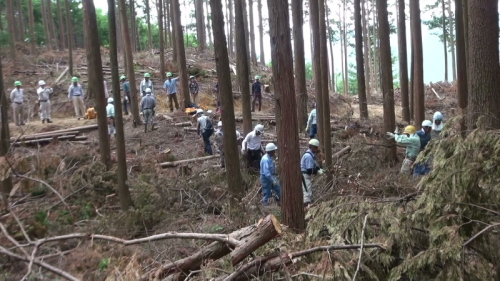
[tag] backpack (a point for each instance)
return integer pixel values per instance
(208, 124)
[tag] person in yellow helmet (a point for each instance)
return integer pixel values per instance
(411, 141)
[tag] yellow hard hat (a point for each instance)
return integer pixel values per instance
(409, 130)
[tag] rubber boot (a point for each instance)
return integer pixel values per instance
(43, 121)
(145, 128)
(153, 127)
(49, 121)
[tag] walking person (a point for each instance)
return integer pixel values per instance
(268, 178)
(126, 93)
(110, 113)
(193, 88)
(205, 130)
(256, 93)
(308, 168)
(424, 134)
(311, 126)
(17, 99)
(146, 83)
(75, 93)
(148, 105)
(219, 142)
(44, 101)
(412, 142)
(170, 87)
(251, 147)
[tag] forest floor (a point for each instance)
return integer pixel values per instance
(166, 200)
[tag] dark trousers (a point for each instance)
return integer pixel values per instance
(206, 140)
(125, 104)
(253, 157)
(172, 98)
(257, 96)
(313, 131)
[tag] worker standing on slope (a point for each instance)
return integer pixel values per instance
(256, 93)
(437, 125)
(17, 99)
(148, 105)
(145, 84)
(412, 142)
(44, 101)
(170, 87)
(126, 93)
(110, 113)
(219, 141)
(193, 88)
(268, 178)
(205, 130)
(311, 126)
(425, 137)
(75, 93)
(252, 146)
(308, 168)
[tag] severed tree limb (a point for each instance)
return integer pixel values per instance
(176, 163)
(360, 248)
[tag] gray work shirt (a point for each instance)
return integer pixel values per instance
(148, 102)
(17, 96)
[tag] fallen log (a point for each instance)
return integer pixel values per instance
(78, 129)
(256, 118)
(342, 152)
(61, 76)
(190, 129)
(176, 163)
(49, 139)
(44, 135)
(183, 124)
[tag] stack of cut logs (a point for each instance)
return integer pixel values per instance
(72, 134)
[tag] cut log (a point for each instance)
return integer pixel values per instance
(267, 229)
(188, 129)
(342, 152)
(49, 139)
(61, 76)
(44, 135)
(177, 163)
(183, 124)
(77, 129)
(257, 118)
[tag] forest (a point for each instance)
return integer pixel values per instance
(404, 182)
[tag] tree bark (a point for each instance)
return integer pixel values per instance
(261, 33)
(461, 63)
(247, 35)
(69, 36)
(159, 9)
(166, 23)
(300, 63)
(181, 55)
(46, 30)
(288, 142)
(367, 47)
(174, 37)
(133, 29)
(231, 28)
(96, 81)
(21, 20)
(242, 65)
(11, 28)
(330, 41)
(6, 184)
(251, 30)
(445, 38)
(484, 86)
(452, 42)
(403, 61)
(314, 22)
(360, 71)
(209, 28)
(418, 73)
(148, 21)
(60, 25)
(134, 102)
(386, 73)
(346, 64)
(200, 24)
(31, 23)
(50, 18)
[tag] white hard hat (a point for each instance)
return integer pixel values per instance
(219, 124)
(438, 115)
(41, 83)
(314, 142)
(259, 128)
(148, 90)
(426, 123)
(199, 111)
(110, 100)
(271, 147)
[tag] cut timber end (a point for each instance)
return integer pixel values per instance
(176, 163)
(183, 124)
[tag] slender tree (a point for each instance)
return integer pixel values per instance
(445, 38)
(344, 42)
(261, 33)
(330, 42)
(403, 61)
(6, 184)
(251, 30)
(50, 19)
(292, 210)
(11, 28)
(367, 50)
(386, 73)
(159, 8)
(148, 21)
(96, 81)
(181, 54)
(208, 25)
(200, 24)
(484, 86)
(247, 34)
(231, 28)
(418, 73)
(242, 65)
(69, 35)
(461, 63)
(452, 42)
(360, 71)
(299, 63)
(174, 37)
(60, 25)
(314, 22)
(31, 23)
(133, 28)
(21, 19)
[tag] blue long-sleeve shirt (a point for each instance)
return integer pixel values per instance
(256, 88)
(424, 139)
(267, 168)
(171, 86)
(308, 163)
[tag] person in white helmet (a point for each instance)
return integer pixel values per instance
(205, 130)
(256, 93)
(268, 178)
(252, 146)
(219, 142)
(148, 104)
(311, 127)
(44, 101)
(110, 113)
(308, 168)
(437, 125)
(425, 134)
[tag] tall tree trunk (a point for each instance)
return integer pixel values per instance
(119, 35)
(247, 35)
(346, 64)
(6, 184)
(21, 20)
(330, 41)
(209, 28)
(181, 55)
(418, 78)
(367, 47)
(148, 21)
(292, 210)
(166, 31)
(231, 29)
(69, 35)
(242, 65)
(341, 36)
(159, 9)
(386, 73)
(200, 24)
(465, 7)
(233, 174)
(31, 23)
(462, 90)
(60, 25)
(134, 102)
(300, 62)
(452, 42)
(360, 71)
(445, 38)
(122, 188)
(11, 28)
(46, 29)
(133, 30)
(314, 22)
(96, 81)
(403, 61)
(261, 33)
(412, 74)
(174, 37)
(50, 18)
(251, 30)
(484, 86)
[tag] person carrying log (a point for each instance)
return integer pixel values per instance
(170, 87)
(309, 167)
(205, 130)
(145, 84)
(148, 105)
(44, 101)
(251, 147)
(75, 93)
(410, 139)
(268, 178)
(17, 99)
(256, 93)
(126, 93)
(110, 113)
(193, 88)
(219, 142)
(311, 127)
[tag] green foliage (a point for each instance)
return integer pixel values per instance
(41, 217)
(103, 264)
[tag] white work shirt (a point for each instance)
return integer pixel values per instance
(17, 95)
(312, 118)
(44, 93)
(252, 141)
(110, 110)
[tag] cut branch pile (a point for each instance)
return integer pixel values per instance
(46, 137)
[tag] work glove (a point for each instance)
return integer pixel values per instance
(275, 182)
(390, 135)
(321, 171)
(396, 131)
(307, 129)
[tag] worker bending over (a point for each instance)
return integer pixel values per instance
(44, 101)
(205, 130)
(311, 126)
(411, 141)
(17, 99)
(148, 105)
(219, 141)
(110, 113)
(268, 178)
(252, 146)
(309, 167)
